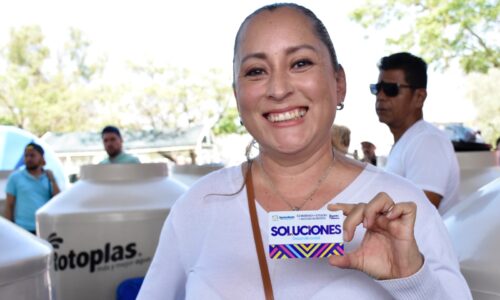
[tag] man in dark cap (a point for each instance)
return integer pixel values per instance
(113, 144)
(29, 189)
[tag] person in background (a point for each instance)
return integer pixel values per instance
(113, 144)
(288, 86)
(421, 152)
(29, 189)
(341, 138)
(369, 155)
(497, 152)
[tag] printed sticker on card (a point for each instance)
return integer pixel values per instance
(305, 234)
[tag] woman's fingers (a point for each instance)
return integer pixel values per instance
(343, 261)
(381, 204)
(380, 211)
(390, 251)
(346, 208)
(403, 210)
(403, 216)
(354, 217)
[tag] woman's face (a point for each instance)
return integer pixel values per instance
(285, 85)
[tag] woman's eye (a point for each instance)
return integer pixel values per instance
(302, 63)
(254, 72)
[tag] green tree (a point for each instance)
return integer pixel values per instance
(172, 97)
(77, 49)
(22, 75)
(41, 93)
(440, 31)
(483, 91)
(446, 31)
(229, 122)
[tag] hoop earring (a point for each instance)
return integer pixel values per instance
(340, 106)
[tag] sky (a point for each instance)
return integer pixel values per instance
(200, 34)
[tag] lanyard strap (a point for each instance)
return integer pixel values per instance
(259, 246)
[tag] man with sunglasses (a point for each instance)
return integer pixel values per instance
(421, 152)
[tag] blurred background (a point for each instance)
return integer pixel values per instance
(162, 72)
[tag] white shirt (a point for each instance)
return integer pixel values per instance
(206, 249)
(424, 155)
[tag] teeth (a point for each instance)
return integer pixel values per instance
(287, 116)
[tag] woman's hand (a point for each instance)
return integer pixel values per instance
(388, 249)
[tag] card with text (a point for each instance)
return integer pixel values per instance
(305, 234)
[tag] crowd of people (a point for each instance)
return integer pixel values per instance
(29, 188)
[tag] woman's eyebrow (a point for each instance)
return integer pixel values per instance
(294, 49)
(258, 55)
(288, 51)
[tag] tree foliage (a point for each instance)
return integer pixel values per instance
(440, 31)
(229, 122)
(483, 91)
(40, 92)
(172, 97)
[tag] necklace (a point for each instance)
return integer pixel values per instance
(309, 196)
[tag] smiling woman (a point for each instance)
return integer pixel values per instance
(288, 81)
(288, 84)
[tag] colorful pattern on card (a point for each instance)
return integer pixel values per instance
(305, 250)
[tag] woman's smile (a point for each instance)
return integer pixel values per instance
(290, 115)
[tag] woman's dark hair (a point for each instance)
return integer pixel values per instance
(319, 28)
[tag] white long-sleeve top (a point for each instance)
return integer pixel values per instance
(206, 249)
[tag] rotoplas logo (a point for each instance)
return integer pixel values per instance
(90, 259)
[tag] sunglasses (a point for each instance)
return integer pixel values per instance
(390, 89)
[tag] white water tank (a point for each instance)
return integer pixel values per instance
(4, 175)
(105, 228)
(24, 264)
(474, 228)
(477, 168)
(189, 174)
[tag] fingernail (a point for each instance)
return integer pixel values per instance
(389, 211)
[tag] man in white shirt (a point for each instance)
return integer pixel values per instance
(421, 153)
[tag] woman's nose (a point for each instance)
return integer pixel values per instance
(279, 86)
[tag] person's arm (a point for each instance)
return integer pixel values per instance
(434, 198)
(53, 183)
(9, 207)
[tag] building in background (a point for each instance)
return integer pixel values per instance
(194, 145)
